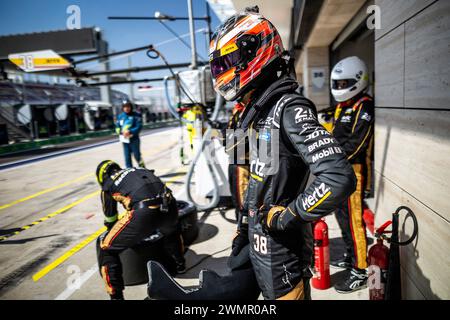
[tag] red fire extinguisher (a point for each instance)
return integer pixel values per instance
(378, 265)
(321, 277)
(384, 263)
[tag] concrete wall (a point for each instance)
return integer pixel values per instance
(316, 60)
(412, 136)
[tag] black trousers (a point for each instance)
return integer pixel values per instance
(135, 226)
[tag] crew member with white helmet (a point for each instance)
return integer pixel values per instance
(353, 128)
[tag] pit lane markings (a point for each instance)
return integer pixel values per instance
(40, 193)
(69, 291)
(49, 216)
(65, 184)
(38, 275)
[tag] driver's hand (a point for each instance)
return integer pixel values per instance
(270, 219)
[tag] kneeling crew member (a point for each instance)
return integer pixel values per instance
(149, 205)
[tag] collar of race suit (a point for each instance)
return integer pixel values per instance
(260, 98)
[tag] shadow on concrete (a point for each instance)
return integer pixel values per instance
(22, 241)
(197, 262)
(418, 277)
(204, 216)
(222, 212)
(173, 174)
(339, 276)
(4, 232)
(178, 183)
(207, 232)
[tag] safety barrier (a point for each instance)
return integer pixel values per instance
(37, 144)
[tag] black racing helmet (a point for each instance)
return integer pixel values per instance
(105, 169)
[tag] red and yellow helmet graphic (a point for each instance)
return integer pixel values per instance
(240, 50)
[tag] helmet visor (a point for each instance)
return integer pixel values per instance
(224, 63)
(343, 84)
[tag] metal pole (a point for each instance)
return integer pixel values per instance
(208, 16)
(136, 69)
(129, 79)
(192, 31)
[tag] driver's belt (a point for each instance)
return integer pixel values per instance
(162, 201)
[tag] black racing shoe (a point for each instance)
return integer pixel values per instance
(181, 268)
(344, 263)
(357, 280)
(117, 296)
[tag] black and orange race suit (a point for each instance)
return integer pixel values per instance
(353, 129)
(149, 205)
(238, 168)
(287, 143)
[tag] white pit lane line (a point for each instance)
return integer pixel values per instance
(70, 290)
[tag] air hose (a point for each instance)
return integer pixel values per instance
(171, 107)
(206, 143)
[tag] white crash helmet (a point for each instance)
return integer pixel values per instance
(354, 70)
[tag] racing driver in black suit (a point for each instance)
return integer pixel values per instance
(287, 143)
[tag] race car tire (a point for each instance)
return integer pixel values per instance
(187, 217)
(134, 260)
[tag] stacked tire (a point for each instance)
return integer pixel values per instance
(134, 260)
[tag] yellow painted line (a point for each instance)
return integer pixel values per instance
(38, 275)
(40, 193)
(41, 273)
(51, 215)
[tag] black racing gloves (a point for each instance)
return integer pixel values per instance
(270, 220)
(279, 218)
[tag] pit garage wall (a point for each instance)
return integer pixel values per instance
(412, 136)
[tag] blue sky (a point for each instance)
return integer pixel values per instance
(25, 16)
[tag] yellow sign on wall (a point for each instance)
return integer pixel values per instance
(39, 61)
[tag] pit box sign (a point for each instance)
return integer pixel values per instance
(39, 61)
(318, 79)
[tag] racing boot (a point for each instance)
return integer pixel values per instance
(181, 267)
(344, 263)
(356, 280)
(117, 296)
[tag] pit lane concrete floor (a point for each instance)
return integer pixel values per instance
(54, 207)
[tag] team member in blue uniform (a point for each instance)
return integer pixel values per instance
(129, 125)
